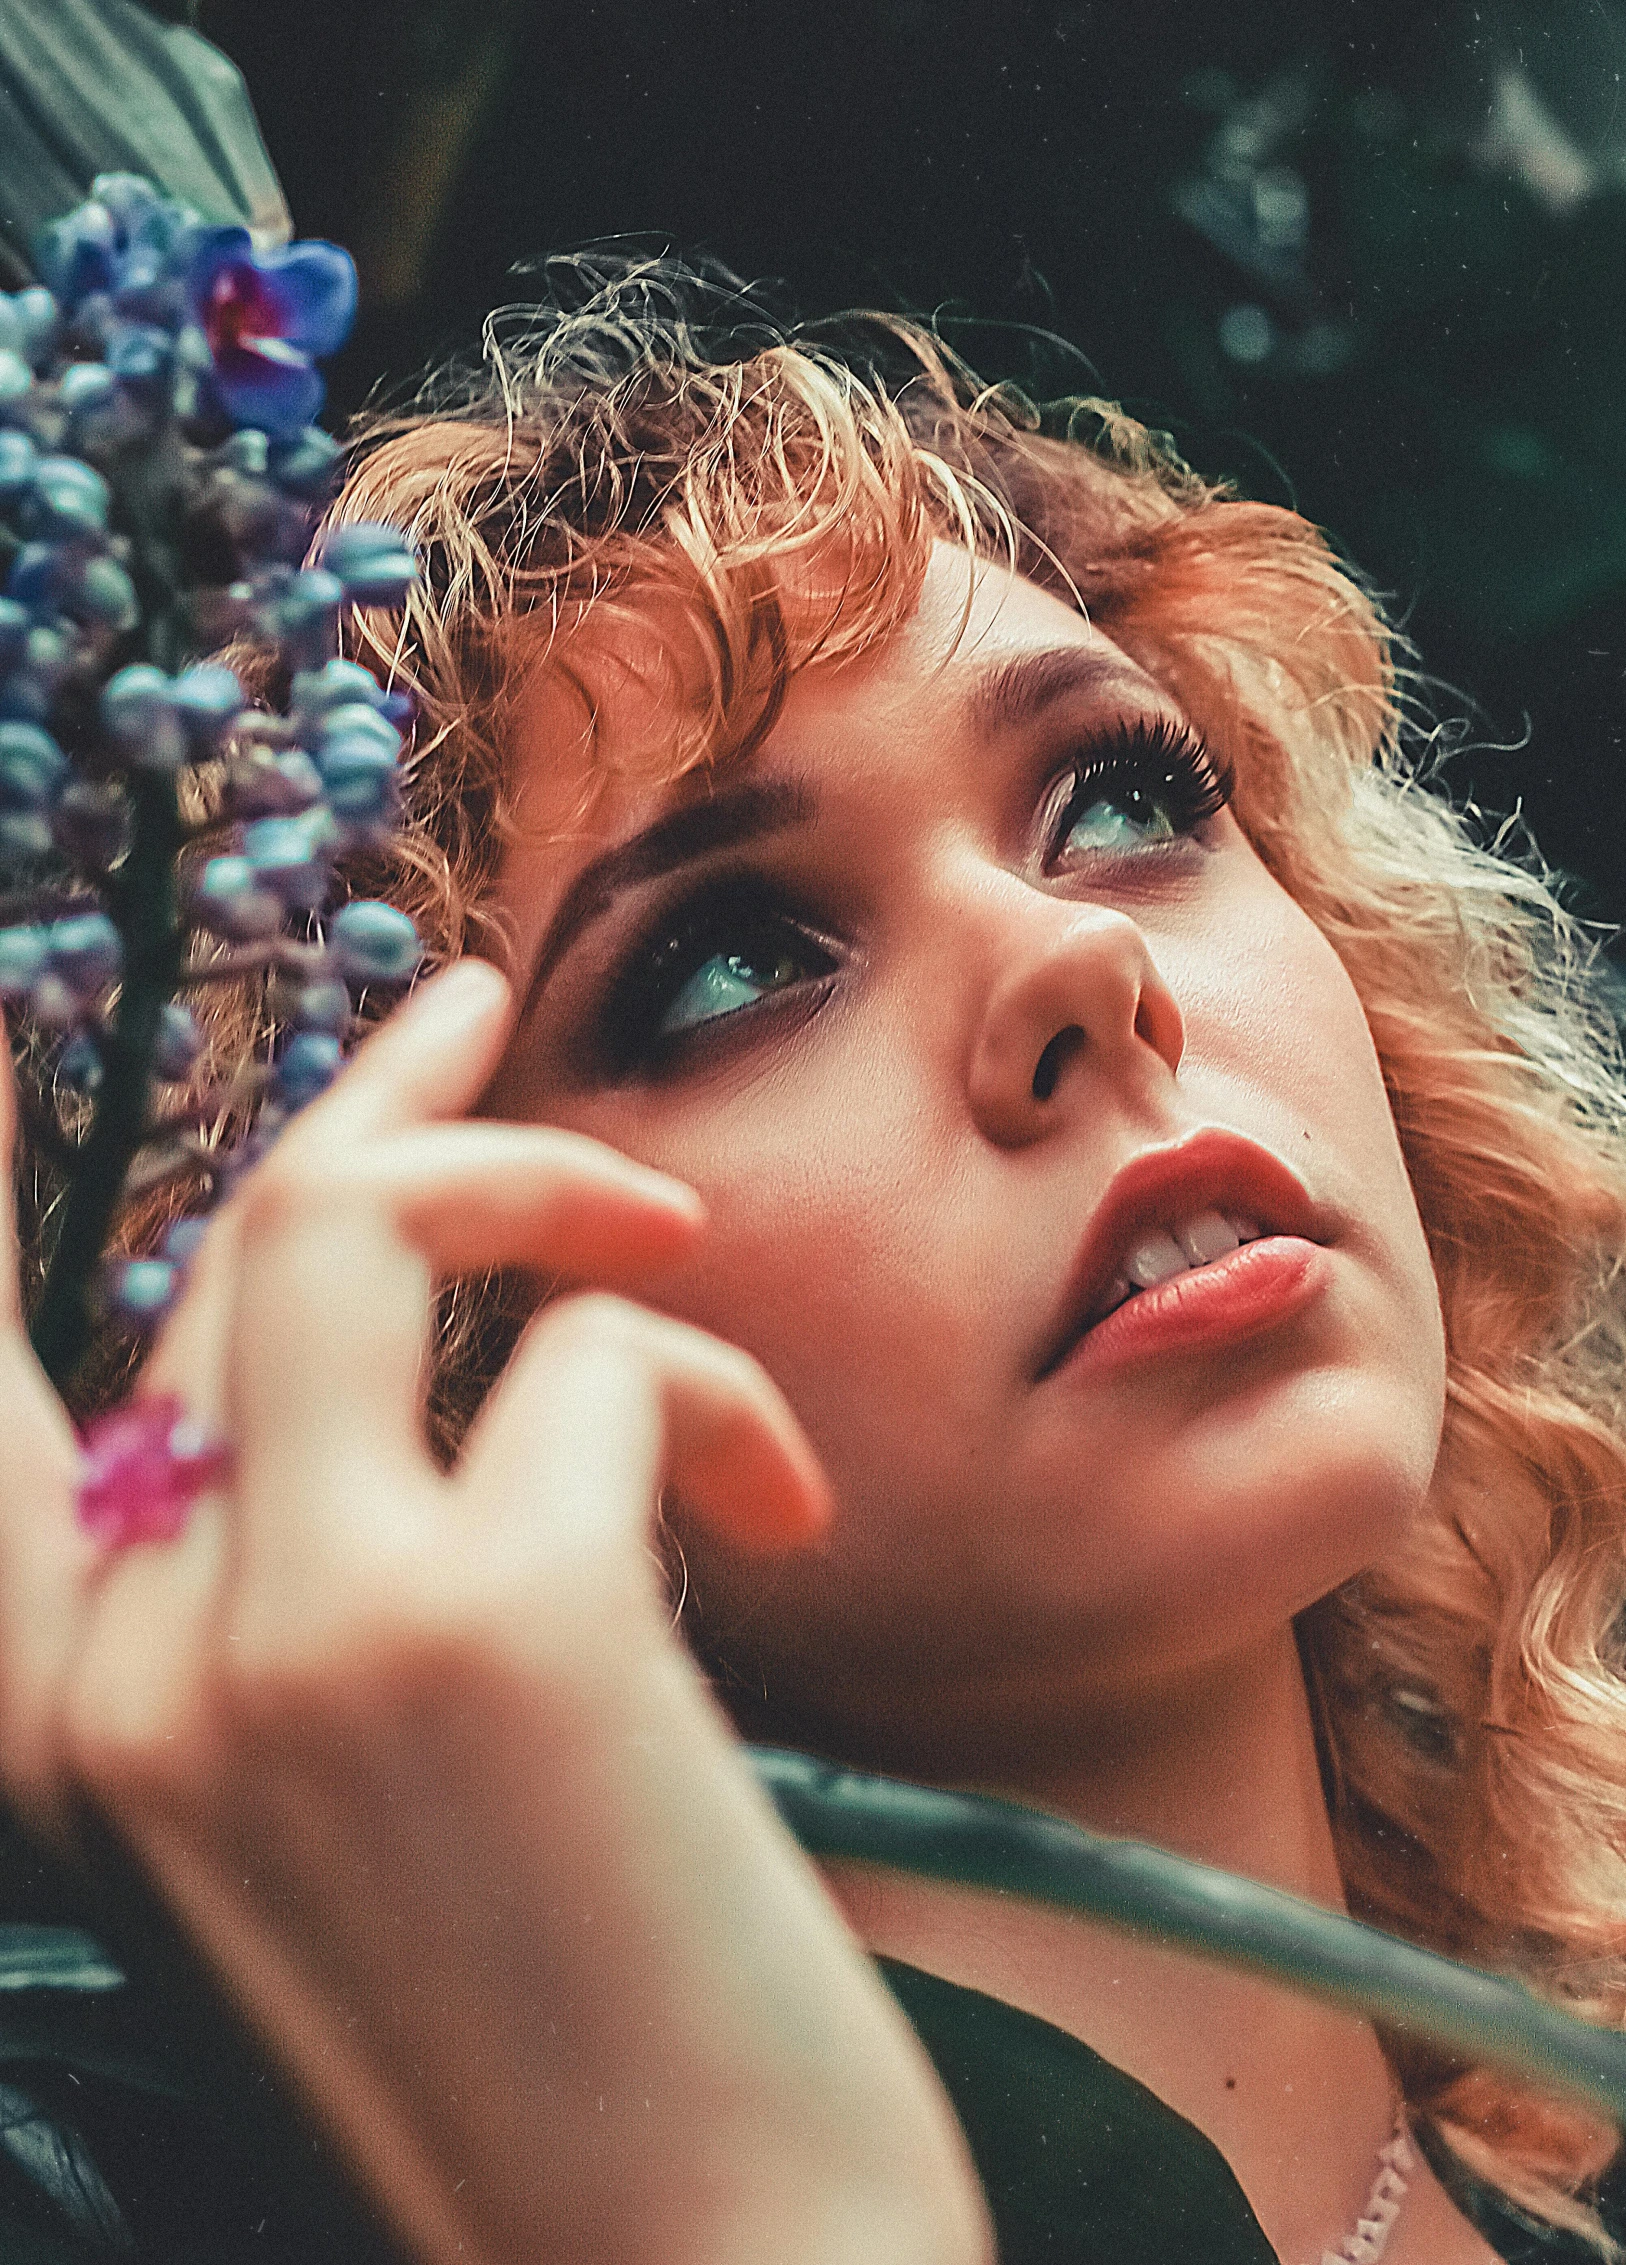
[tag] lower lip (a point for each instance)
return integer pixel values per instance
(1255, 1288)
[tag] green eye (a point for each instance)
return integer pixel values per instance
(725, 983)
(735, 946)
(1142, 783)
(1115, 824)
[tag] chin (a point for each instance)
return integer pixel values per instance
(1321, 1484)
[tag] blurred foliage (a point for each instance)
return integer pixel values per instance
(1359, 255)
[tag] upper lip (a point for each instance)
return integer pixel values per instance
(1207, 1170)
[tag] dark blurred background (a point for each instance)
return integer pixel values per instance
(1364, 256)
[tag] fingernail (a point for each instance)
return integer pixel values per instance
(680, 1197)
(466, 990)
(656, 1186)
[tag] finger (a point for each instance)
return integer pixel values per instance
(480, 1195)
(327, 1332)
(11, 1311)
(432, 1058)
(189, 1357)
(47, 1566)
(604, 1404)
(136, 1674)
(46, 1558)
(468, 1197)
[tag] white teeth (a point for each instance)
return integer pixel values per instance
(1207, 1237)
(1155, 1258)
(1159, 1257)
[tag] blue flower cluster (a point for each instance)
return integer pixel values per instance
(156, 395)
(158, 299)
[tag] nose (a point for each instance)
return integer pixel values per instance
(1075, 995)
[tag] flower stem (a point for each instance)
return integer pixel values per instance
(981, 1842)
(145, 909)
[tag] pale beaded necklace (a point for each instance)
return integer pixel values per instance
(1367, 2240)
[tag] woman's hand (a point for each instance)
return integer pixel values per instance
(418, 1760)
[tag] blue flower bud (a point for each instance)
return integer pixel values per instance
(353, 725)
(78, 253)
(48, 652)
(85, 388)
(293, 857)
(19, 460)
(16, 382)
(183, 1240)
(229, 900)
(23, 953)
(102, 593)
(37, 311)
(90, 326)
(15, 623)
(86, 951)
(139, 715)
(80, 1065)
(32, 767)
(208, 699)
(374, 561)
(338, 684)
(140, 1291)
(362, 785)
(308, 1067)
(91, 822)
(179, 1042)
(53, 1003)
(374, 943)
(38, 574)
(306, 617)
(141, 357)
(24, 699)
(322, 1006)
(29, 690)
(68, 498)
(24, 834)
(305, 464)
(131, 198)
(248, 452)
(267, 785)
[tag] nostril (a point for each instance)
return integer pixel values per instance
(1054, 1059)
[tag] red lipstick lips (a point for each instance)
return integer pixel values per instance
(1265, 1280)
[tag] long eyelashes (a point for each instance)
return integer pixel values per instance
(737, 917)
(1140, 784)
(1156, 770)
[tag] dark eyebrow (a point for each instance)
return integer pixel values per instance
(743, 813)
(1016, 691)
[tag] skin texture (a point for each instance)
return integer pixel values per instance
(894, 1215)
(417, 1760)
(1075, 1589)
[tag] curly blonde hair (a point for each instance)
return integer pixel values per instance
(779, 492)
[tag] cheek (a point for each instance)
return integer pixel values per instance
(1278, 1043)
(833, 1254)
(1274, 1016)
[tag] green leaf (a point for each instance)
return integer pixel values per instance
(103, 86)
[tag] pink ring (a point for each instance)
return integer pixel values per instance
(141, 1469)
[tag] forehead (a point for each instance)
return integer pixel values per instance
(912, 698)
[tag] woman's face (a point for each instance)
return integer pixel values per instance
(954, 998)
